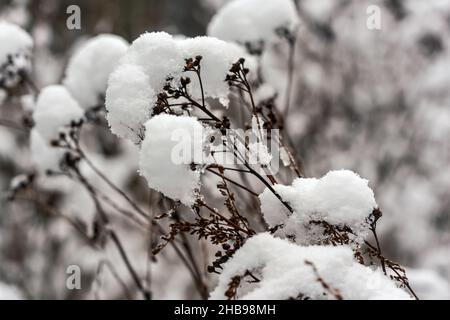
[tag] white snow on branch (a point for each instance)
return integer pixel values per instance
(166, 157)
(155, 59)
(217, 58)
(253, 21)
(89, 68)
(340, 198)
(129, 101)
(283, 273)
(55, 110)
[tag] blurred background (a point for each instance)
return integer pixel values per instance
(373, 101)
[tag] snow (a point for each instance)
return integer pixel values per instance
(160, 56)
(55, 109)
(19, 181)
(340, 198)
(428, 284)
(129, 101)
(320, 10)
(15, 53)
(259, 154)
(217, 59)
(151, 60)
(14, 40)
(253, 21)
(89, 68)
(281, 267)
(166, 156)
(8, 292)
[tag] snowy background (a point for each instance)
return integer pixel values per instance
(376, 102)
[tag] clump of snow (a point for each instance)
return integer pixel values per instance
(159, 55)
(319, 10)
(280, 266)
(253, 21)
(15, 54)
(89, 68)
(340, 198)
(155, 59)
(8, 292)
(170, 146)
(129, 101)
(55, 109)
(217, 59)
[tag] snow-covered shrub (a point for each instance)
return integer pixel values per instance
(15, 55)
(89, 68)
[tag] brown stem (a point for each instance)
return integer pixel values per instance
(235, 183)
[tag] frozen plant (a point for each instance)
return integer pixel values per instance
(238, 227)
